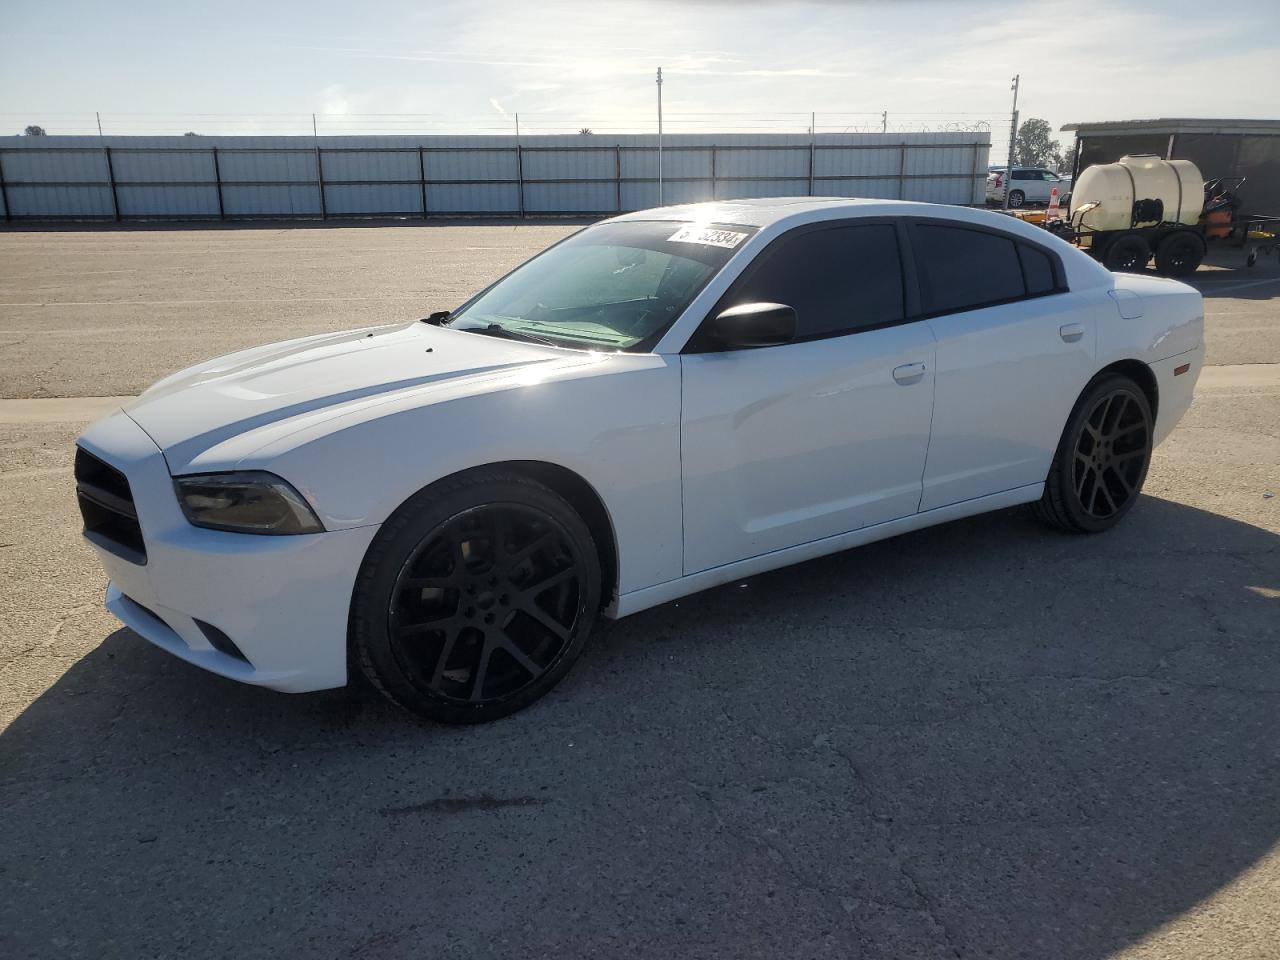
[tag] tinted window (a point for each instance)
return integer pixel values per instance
(1025, 175)
(1038, 270)
(961, 268)
(838, 280)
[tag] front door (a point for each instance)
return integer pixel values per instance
(788, 444)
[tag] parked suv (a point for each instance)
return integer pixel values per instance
(1029, 185)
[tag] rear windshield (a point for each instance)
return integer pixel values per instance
(615, 286)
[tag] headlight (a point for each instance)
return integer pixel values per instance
(252, 501)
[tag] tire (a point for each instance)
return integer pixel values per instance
(1016, 199)
(1102, 458)
(475, 598)
(1179, 254)
(1127, 253)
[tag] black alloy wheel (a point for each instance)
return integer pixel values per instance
(1111, 455)
(486, 603)
(1102, 458)
(488, 594)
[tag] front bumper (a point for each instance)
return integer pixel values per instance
(282, 601)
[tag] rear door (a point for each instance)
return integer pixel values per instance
(788, 444)
(1014, 350)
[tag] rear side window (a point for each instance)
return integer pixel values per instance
(839, 280)
(1037, 268)
(961, 269)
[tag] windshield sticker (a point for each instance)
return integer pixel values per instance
(693, 233)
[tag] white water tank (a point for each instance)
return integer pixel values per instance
(1139, 191)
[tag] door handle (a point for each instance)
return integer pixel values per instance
(1071, 332)
(909, 373)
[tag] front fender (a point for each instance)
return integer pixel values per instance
(615, 423)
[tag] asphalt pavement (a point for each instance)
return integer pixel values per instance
(983, 740)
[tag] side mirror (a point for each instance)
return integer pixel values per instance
(754, 325)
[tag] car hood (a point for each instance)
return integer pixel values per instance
(192, 411)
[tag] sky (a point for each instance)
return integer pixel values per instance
(392, 67)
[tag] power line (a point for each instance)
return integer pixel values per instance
(820, 123)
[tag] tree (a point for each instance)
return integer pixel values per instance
(191, 133)
(1034, 146)
(34, 131)
(585, 131)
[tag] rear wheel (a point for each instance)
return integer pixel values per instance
(1179, 254)
(1127, 253)
(475, 598)
(1102, 458)
(1017, 198)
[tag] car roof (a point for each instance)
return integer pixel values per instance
(775, 215)
(764, 211)
(785, 212)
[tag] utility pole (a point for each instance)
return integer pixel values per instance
(98, 116)
(659, 136)
(813, 147)
(884, 122)
(1013, 137)
(313, 126)
(517, 116)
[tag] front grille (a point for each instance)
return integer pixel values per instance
(106, 504)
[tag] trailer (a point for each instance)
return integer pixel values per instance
(1262, 238)
(1125, 214)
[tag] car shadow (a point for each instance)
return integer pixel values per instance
(983, 739)
(1226, 274)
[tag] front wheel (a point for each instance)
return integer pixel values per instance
(475, 598)
(1102, 458)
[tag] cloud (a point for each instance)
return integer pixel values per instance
(792, 72)
(333, 100)
(468, 66)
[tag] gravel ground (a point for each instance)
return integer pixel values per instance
(981, 740)
(98, 313)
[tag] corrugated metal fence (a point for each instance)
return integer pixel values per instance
(136, 178)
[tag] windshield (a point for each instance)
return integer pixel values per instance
(616, 286)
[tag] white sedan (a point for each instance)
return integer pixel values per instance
(663, 402)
